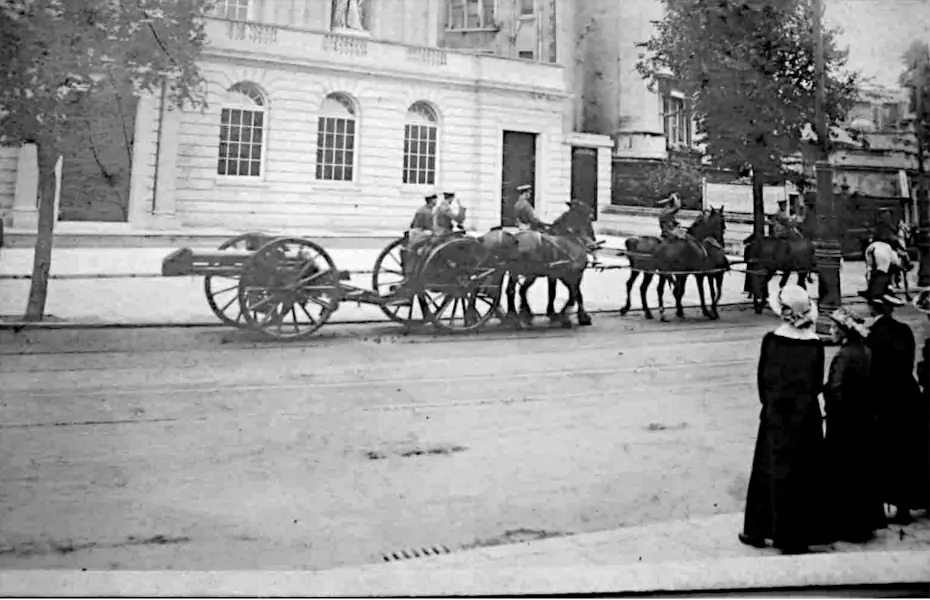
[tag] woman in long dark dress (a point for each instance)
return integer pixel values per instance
(852, 437)
(785, 498)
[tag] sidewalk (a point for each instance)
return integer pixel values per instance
(145, 298)
(696, 554)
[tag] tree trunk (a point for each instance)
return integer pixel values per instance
(758, 204)
(42, 261)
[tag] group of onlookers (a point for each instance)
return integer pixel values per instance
(841, 472)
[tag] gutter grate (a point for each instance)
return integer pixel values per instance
(411, 553)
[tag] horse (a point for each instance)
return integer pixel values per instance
(701, 253)
(561, 256)
(766, 256)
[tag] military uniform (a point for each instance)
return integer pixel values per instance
(783, 223)
(531, 227)
(668, 223)
(449, 214)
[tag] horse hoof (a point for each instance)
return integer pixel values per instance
(566, 324)
(647, 315)
(584, 320)
(663, 319)
(623, 311)
(680, 317)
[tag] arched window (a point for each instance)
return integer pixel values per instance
(420, 134)
(242, 132)
(335, 139)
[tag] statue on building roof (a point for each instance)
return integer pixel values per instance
(347, 14)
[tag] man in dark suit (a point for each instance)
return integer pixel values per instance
(893, 353)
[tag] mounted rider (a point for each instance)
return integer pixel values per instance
(785, 226)
(529, 224)
(421, 230)
(668, 223)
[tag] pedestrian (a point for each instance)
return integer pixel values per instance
(852, 444)
(922, 420)
(893, 353)
(785, 501)
(922, 303)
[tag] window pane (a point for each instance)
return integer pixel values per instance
(256, 168)
(349, 173)
(244, 150)
(221, 167)
(327, 172)
(224, 150)
(328, 157)
(246, 135)
(431, 162)
(431, 178)
(259, 120)
(432, 134)
(350, 127)
(340, 125)
(232, 168)
(224, 116)
(350, 158)
(339, 157)
(329, 141)
(256, 152)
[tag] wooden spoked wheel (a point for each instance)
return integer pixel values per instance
(222, 291)
(289, 288)
(461, 284)
(387, 276)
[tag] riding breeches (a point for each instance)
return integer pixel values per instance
(879, 284)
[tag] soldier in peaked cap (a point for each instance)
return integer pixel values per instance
(524, 213)
(668, 223)
(449, 215)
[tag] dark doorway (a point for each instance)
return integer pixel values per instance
(518, 167)
(584, 176)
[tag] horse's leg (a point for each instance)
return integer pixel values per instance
(700, 278)
(784, 278)
(907, 290)
(526, 313)
(629, 289)
(660, 292)
(550, 308)
(565, 315)
(511, 297)
(584, 319)
(680, 283)
(718, 280)
(643, 288)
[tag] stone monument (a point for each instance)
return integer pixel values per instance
(348, 17)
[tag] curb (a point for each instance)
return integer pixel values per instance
(17, 326)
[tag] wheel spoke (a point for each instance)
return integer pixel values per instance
(303, 307)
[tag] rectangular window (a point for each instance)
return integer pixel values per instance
(237, 10)
(420, 154)
(527, 7)
(470, 14)
(241, 134)
(676, 121)
(528, 54)
(335, 154)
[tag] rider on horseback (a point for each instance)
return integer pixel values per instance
(784, 225)
(668, 224)
(530, 226)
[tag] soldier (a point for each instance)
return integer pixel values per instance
(784, 224)
(449, 215)
(421, 228)
(668, 224)
(524, 213)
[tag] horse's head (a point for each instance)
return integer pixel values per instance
(710, 224)
(577, 220)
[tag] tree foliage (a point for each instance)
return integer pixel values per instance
(750, 68)
(54, 53)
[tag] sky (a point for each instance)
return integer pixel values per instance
(878, 32)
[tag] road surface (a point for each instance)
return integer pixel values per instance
(205, 449)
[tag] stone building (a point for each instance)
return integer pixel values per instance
(338, 116)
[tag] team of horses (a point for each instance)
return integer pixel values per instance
(566, 251)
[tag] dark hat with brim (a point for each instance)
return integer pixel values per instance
(431, 197)
(448, 194)
(849, 322)
(524, 188)
(889, 300)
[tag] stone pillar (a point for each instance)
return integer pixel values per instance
(166, 175)
(143, 149)
(26, 195)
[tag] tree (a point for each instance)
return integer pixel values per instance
(749, 66)
(916, 77)
(56, 52)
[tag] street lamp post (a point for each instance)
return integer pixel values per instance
(827, 250)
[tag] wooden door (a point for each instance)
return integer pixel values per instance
(518, 167)
(584, 176)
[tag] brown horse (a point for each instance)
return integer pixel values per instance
(768, 256)
(562, 255)
(701, 253)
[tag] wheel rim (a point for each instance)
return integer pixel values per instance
(222, 291)
(289, 289)
(388, 273)
(461, 286)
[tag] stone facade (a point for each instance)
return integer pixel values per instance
(303, 81)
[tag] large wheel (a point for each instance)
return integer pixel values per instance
(222, 291)
(386, 276)
(289, 288)
(461, 284)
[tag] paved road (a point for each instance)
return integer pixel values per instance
(207, 450)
